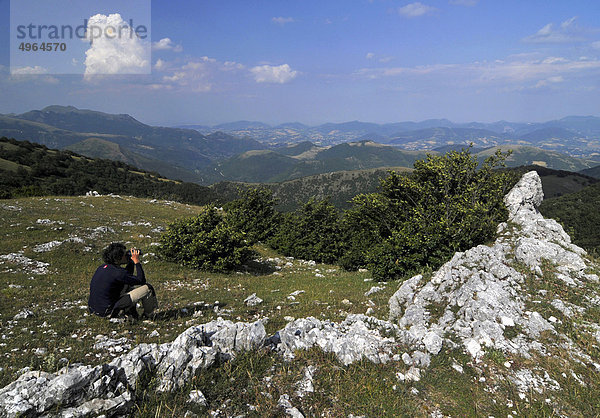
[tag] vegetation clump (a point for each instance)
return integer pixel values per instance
(205, 242)
(254, 213)
(448, 204)
(312, 232)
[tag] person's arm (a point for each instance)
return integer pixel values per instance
(140, 277)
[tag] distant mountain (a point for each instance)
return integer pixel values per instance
(575, 135)
(526, 155)
(308, 160)
(292, 125)
(243, 124)
(592, 172)
(436, 137)
(251, 166)
(299, 149)
(457, 147)
(86, 121)
(176, 149)
(100, 148)
(549, 134)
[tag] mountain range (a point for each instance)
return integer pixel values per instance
(579, 136)
(257, 152)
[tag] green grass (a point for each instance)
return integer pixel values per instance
(61, 332)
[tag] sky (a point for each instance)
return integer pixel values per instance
(313, 61)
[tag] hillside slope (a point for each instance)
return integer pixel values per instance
(28, 169)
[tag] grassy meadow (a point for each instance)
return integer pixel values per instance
(53, 327)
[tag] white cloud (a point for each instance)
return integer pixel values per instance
(416, 10)
(199, 75)
(464, 2)
(549, 81)
(166, 44)
(515, 71)
(567, 32)
(115, 48)
(28, 74)
(273, 74)
(370, 55)
(28, 70)
(282, 20)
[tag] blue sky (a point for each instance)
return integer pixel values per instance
(334, 61)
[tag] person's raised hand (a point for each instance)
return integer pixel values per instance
(135, 255)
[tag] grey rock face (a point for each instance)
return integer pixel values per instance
(110, 388)
(480, 291)
(356, 337)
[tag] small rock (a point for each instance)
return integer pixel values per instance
(253, 300)
(197, 397)
(24, 314)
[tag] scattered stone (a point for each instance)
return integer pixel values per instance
(154, 334)
(373, 289)
(253, 300)
(24, 314)
(31, 266)
(286, 405)
(305, 385)
(197, 397)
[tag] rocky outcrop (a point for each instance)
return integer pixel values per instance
(480, 297)
(110, 389)
(356, 337)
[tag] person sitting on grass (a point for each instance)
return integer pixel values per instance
(114, 290)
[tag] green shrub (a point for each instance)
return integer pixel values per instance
(205, 242)
(254, 214)
(313, 232)
(447, 204)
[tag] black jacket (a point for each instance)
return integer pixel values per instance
(108, 283)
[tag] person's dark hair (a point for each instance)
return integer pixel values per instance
(113, 254)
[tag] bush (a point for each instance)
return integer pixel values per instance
(254, 214)
(421, 220)
(205, 242)
(313, 232)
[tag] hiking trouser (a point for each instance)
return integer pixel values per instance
(133, 294)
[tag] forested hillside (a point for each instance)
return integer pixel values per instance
(580, 215)
(28, 169)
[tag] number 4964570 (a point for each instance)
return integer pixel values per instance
(43, 46)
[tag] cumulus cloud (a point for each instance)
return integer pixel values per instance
(282, 20)
(370, 55)
(115, 47)
(273, 74)
(416, 10)
(166, 44)
(567, 32)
